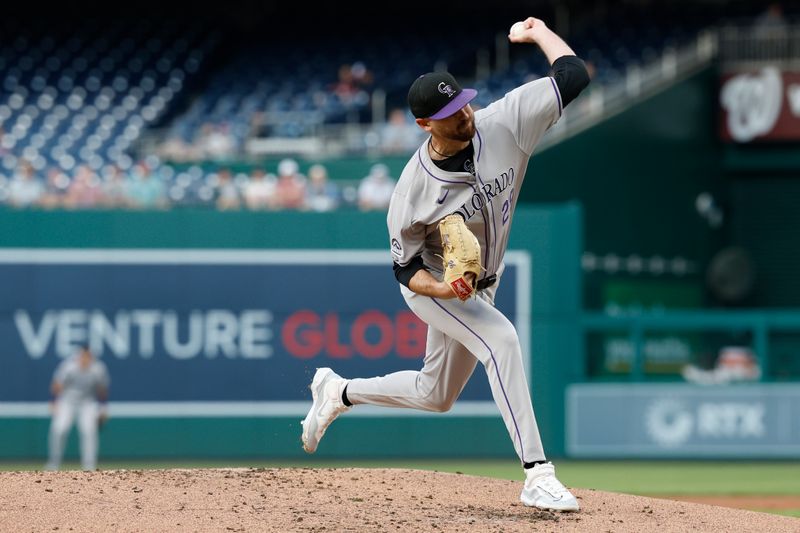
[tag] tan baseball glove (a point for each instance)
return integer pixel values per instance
(462, 254)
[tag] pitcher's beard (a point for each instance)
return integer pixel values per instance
(465, 134)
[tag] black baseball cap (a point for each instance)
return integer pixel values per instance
(437, 95)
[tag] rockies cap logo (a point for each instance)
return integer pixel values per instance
(446, 89)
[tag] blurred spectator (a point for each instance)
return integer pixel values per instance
(55, 189)
(734, 363)
(227, 192)
(258, 125)
(25, 189)
(350, 87)
(772, 18)
(3, 189)
(260, 190)
(362, 77)
(321, 194)
(175, 148)
(3, 150)
(771, 29)
(345, 87)
(200, 141)
(216, 141)
(290, 191)
(85, 191)
(115, 188)
(375, 190)
(146, 191)
(400, 135)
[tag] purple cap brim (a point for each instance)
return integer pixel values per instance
(462, 99)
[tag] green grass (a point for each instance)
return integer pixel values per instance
(690, 478)
(785, 512)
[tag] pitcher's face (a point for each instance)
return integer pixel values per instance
(460, 126)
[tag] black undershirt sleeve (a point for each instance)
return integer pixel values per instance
(405, 273)
(571, 77)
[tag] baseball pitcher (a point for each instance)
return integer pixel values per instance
(449, 222)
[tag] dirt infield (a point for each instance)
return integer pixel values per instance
(332, 500)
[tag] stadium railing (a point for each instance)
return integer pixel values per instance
(760, 323)
(753, 46)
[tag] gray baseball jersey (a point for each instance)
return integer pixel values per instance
(79, 384)
(507, 132)
(462, 333)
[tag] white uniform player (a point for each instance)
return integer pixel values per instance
(80, 385)
(473, 165)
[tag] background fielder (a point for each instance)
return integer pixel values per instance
(80, 386)
(473, 165)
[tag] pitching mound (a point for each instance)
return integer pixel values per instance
(332, 500)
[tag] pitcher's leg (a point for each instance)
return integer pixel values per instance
(447, 368)
(510, 392)
(491, 337)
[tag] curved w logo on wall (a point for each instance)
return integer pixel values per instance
(764, 105)
(212, 326)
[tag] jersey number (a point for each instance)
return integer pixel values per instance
(507, 206)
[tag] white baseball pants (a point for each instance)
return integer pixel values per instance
(459, 335)
(87, 412)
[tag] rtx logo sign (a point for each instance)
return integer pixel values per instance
(671, 422)
(730, 420)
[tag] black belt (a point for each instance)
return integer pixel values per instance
(486, 282)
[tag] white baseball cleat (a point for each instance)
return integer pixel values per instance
(326, 391)
(544, 491)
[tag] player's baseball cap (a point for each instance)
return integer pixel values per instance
(437, 95)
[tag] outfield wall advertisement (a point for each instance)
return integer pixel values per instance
(680, 420)
(217, 332)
